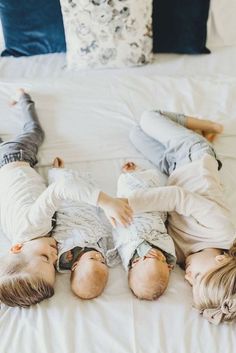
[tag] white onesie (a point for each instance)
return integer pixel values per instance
(148, 227)
(78, 224)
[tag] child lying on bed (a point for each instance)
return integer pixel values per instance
(27, 273)
(146, 250)
(82, 240)
(198, 216)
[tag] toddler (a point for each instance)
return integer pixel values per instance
(198, 216)
(83, 241)
(146, 250)
(27, 207)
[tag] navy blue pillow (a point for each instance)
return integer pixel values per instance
(180, 26)
(32, 27)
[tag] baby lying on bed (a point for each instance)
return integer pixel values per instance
(27, 206)
(146, 250)
(83, 241)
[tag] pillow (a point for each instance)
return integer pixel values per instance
(107, 33)
(32, 27)
(221, 25)
(1, 38)
(180, 26)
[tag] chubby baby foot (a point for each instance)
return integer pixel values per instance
(18, 94)
(58, 163)
(129, 167)
(207, 128)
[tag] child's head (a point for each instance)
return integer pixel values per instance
(27, 273)
(214, 293)
(149, 276)
(89, 275)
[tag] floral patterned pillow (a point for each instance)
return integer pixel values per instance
(107, 33)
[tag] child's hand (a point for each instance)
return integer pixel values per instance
(116, 210)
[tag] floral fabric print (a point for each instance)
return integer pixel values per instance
(107, 33)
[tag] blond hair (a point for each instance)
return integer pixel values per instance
(19, 288)
(215, 294)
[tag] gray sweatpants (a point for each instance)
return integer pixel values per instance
(163, 138)
(25, 146)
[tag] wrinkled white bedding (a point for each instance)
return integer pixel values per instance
(87, 117)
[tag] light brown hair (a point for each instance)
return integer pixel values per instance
(19, 288)
(215, 294)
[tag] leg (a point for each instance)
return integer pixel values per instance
(181, 144)
(206, 128)
(150, 148)
(164, 128)
(25, 146)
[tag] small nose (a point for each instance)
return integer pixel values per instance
(54, 255)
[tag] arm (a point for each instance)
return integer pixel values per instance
(175, 198)
(70, 188)
(166, 198)
(76, 188)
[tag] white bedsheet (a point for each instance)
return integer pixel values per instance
(87, 117)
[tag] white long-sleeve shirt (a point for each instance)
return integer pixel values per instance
(198, 216)
(27, 205)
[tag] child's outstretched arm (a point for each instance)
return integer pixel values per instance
(72, 188)
(183, 202)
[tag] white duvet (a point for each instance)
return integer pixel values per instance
(87, 117)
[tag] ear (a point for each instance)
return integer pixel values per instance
(188, 277)
(220, 258)
(15, 249)
(74, 266)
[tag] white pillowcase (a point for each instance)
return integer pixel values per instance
(221, 23)
(107, 33)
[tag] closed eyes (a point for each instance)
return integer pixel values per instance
(45, 257)
(97, 259)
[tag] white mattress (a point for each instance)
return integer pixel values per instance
(87, 117)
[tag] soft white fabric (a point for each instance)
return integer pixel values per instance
(27, 206)
(148, 226)
(198, 215)
(103, 33)
(87, 117)
(78, 223)
(221, 23)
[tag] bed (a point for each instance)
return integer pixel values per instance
(87, 116)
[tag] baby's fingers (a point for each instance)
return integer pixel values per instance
(112, 221)
(124, 220)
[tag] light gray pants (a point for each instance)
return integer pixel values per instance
(25, 146)
(163, 138)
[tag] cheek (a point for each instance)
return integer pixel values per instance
(52, 276)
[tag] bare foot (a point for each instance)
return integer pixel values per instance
(129, 167)
(17, 96)
(58, 163)
(206, 128)
(209, 136)
(204, 125)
